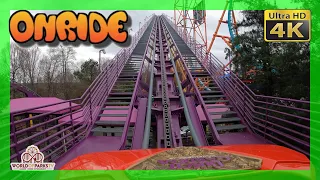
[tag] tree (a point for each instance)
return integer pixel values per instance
(67, 55)
(49, 66)
(48, 73)
(14, 60)
(30, 64)
(228, 56)
(24, 62)
(89, 71)
(284, 66)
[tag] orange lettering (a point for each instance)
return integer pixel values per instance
(66, 25)
(100, 35)
(49, 25)
(82, 28)
(16, 19)
(116, 31)
(69, 26)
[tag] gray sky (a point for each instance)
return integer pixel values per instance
(213, 16)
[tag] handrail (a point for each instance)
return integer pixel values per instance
(266, 116)
(79, 117)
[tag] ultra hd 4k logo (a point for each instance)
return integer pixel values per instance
(287, 25)
(67, 26)
(32, 159)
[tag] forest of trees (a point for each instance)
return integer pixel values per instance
(54, 73)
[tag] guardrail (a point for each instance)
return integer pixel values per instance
(279, 120)
(55, 139)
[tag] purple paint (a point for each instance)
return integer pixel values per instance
(175, 166)
(139, 118)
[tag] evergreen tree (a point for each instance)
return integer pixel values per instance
(282, 68)
(89, 71)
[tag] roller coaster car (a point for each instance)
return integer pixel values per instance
(266, 157)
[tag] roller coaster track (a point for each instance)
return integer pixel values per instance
(24, 89)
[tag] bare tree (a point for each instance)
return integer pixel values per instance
(31, 64)
(24, 55)
(67, 56)
(15, 58)
(49, 66)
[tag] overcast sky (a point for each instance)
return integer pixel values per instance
(213, 16)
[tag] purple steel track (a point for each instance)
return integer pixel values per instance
(25, 90)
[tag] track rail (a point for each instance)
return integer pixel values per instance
(24, 89)
(165, 96)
